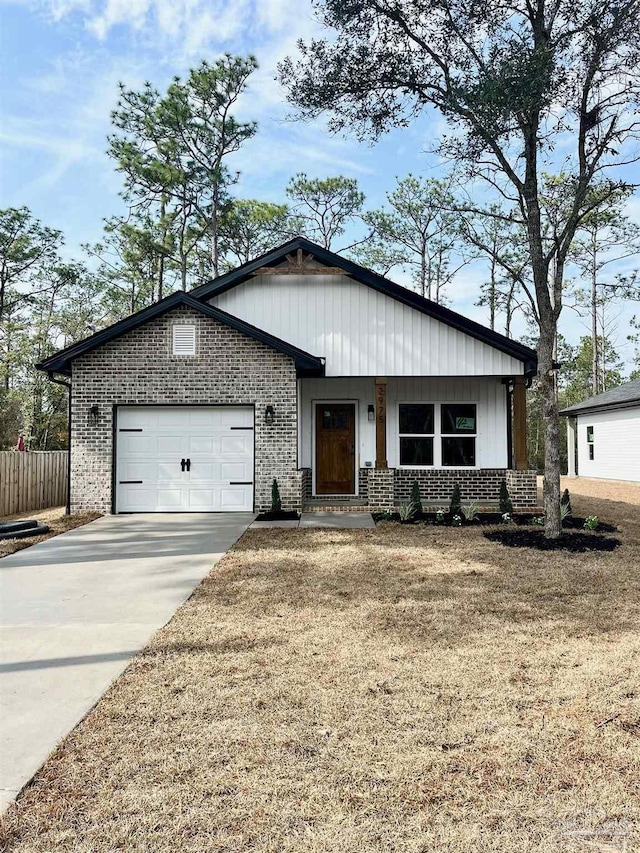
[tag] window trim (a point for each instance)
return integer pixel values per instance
(438, 435)
(432, 435)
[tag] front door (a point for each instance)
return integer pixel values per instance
(335, 448)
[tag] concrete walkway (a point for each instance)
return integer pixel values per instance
(345, 520)
(76, 608)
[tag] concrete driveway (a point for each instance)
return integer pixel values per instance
(75, 609)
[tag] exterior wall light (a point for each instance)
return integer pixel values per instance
(269, 415)
(371, 412)
(94, 415)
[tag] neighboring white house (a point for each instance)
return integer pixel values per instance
(603, 435)
(300, 366)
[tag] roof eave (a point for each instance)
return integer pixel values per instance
(383, 285)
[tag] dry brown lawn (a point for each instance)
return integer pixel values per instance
(54, 517)
(399, 689)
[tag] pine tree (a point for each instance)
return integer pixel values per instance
(455, 507)
(276, 503)
(416, 498)
(506, 505)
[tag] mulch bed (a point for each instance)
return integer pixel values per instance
(489, 519)
(278, 516)
(576, 542)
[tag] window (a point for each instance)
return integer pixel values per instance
(184, 340)
(590, 442)
(417, 422)
(458, 427)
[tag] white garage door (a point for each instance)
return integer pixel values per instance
(184, 459)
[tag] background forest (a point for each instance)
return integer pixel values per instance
(184, 223)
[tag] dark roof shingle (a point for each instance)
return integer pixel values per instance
(624, 395)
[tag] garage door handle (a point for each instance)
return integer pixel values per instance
(188, 464)
(183, 464)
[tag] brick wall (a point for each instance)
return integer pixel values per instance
(523, 488)
(363, 482)
(138, 368)
(436, 484)
(380, 487)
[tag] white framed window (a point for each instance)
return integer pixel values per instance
(184, 340)
(437, 435)
(458, 431)
(417, 434)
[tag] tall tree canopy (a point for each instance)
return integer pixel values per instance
(173, 149)
(322, 208)
(513, 81)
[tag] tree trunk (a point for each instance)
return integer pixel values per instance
(595, 381)
(552, 434)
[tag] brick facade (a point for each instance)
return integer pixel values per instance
(523, 488)
(481, 485)
(139, 368)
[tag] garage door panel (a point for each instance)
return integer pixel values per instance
(132, 499)
(131, 470)
(219, 456)
(201, 444)
(235, 471)
(231, 445)
(236, 499)
(135, 444)
(208, 471)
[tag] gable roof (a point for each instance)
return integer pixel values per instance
(622, 397)
(60, 362)
(377, 282)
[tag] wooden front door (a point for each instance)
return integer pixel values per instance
(335, 448)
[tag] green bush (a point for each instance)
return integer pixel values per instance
(416, 497)
(565, 500)
(276, 503)
(455, 507)
(505, 498)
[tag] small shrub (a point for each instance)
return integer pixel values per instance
(506, 518)
(538, 520)
(407, 511)
(470, 511)
(506, 505)
(440, 515)
(565, 511)
(456, 521)
(591, 522)
(416, 497)
(455, 507)
(565, 500)
(276, 503)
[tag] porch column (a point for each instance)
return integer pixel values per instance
(571, 447)
(381, 422)
(520, 423)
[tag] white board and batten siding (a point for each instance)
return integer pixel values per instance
(215, 442)
(359, 331)
(488, 393)
(616, 445)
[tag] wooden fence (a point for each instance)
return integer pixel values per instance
(32, 480)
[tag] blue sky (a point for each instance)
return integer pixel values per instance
(62, 60)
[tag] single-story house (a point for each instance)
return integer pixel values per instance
(300, 366)
(603, 434)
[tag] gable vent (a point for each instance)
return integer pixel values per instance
(184, 340)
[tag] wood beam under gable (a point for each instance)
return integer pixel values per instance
(300, 264)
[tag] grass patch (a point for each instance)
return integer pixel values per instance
(407, 688)
(54, 518)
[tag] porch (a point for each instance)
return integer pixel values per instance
(363, 441)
